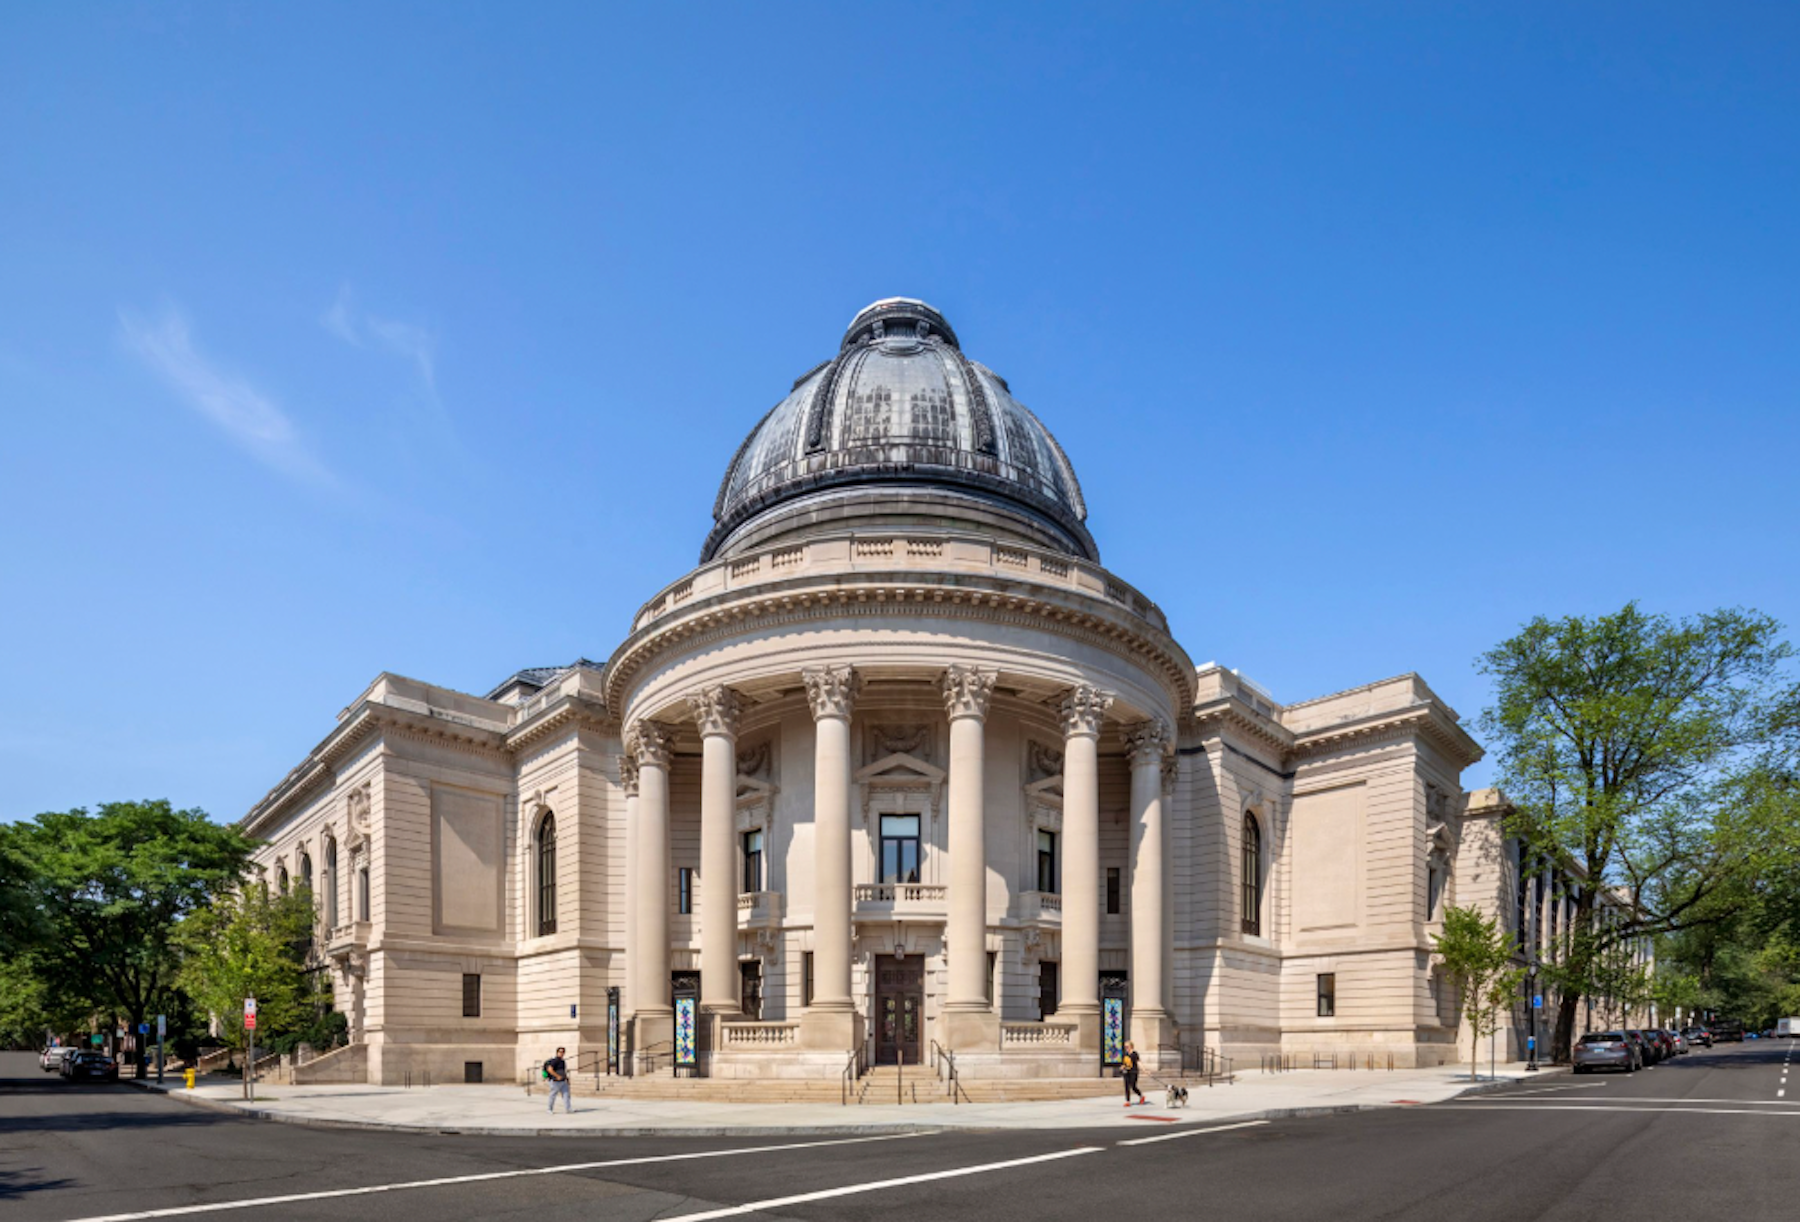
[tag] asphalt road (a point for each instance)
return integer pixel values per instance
(1705, 1136)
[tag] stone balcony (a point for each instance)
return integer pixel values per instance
(349, 938)
(758, 908)
(928, 901)
(1040, 907)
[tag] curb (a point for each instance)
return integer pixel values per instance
(252, 1112)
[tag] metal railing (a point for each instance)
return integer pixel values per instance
(658, 1055)
(1288, 1062)
(853, 1069)
(943, 1061)
(1197, 1060)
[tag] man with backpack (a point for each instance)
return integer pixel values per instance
(557, 1072)
(1131, 1065)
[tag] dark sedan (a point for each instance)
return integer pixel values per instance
(90, 1065)
(1699, 1036)
(1606, 1050)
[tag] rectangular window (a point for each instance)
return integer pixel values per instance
(1537, 916)
(1046, 861)
(899, 848)
(1047, 988)
(806, 978)
(1112, 890)
(750, 989)
(471, 994)
(1327, 994)
(753, 872)
(362, 894)
(992, 959)
(684, 890)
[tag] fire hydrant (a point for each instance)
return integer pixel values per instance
(190, 1079)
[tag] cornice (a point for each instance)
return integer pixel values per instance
(566, 713)
(1425, 721)
(910, 593)
(1216, 716)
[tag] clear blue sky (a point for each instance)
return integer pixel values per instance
(343, 338)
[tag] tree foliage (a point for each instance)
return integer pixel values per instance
(1477, 957)
(107, 892)
(1636, 748)
(252, 943)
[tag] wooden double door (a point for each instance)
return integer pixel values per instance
(899, 1009)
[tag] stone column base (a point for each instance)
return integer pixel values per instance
(973, 1031)
(1149, 1031)
(649, 1030)
(831, 1031)
(1087, 1031)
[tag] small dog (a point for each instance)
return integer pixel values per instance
(1175, 1096)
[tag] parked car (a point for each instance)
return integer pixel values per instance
(1606, 1050)
(1680, 1042)
(1668, 1044)
(52, 1059)
(1649, 1053)
(1699, 1035)
(90, 1065)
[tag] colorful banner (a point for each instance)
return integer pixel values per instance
(687, 1051)
(1112, 1030)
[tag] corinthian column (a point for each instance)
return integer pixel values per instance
(1145, 743)
(628, 781)
(1083, 711)
(967, 692)
(831, 1019)
(651, 746)
(715, 711)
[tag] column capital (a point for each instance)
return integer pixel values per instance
(1145, 741)
(968, 690)
(831, 690)
(716, 710)
(1083, 708)
(628, 775)
(651, 744)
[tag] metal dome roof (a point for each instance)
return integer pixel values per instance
(901, 404)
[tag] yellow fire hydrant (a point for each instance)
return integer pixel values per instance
(190, 1079)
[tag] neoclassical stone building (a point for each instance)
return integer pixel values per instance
(899, 765)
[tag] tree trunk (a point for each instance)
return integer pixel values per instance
(1562, 1048)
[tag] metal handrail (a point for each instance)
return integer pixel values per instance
(944, 1062)
(646, 1058)
(852, 1069)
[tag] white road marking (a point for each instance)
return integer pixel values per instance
(1614, 1107)
(1217, 1128)
(1642, 1099)
(1544, 1090)
(825, 1194)
(327, 1194)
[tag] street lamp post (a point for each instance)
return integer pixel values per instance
(1531, 1063)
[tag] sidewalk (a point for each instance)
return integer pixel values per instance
(509, 1111)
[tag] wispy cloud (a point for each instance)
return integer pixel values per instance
(364, 330)
(246, 415)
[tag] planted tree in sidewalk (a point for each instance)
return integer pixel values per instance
(252, 943)
(1477, 958)
(107, 892)
(1635, 749)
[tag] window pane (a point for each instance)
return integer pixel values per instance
(900, 825)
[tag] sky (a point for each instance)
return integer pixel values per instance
(339, 338)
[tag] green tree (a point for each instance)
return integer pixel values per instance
(1629, 744)
(252, 943)
(1476, 956)
(108, 891)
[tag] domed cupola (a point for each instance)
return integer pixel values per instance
(900, 429)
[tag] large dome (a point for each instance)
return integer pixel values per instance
(900, 426)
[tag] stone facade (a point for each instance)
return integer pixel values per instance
(900, 768)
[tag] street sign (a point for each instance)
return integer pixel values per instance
(249, 1022)
(98, 1038)
(249, 1005)
(1537, 1001)
(143, 1028)
(162, 1027)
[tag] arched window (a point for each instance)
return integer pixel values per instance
(281, 879)
(1252, 875)
(305, 870)
(546, 875)
(331, 885)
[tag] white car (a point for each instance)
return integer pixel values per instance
(51, 1061)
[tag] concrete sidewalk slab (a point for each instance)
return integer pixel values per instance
(510, 1111)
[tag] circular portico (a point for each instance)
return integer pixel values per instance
(901, 637)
